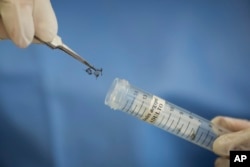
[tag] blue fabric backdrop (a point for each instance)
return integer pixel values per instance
(194, 54)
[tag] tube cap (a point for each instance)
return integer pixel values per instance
(116, 95)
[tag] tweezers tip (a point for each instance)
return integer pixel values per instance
(97, 72)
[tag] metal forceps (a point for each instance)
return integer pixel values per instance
(57, 43)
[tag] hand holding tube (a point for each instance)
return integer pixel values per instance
(21, 20)
(238, 139)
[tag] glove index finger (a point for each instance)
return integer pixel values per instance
(232, 124)
(45, 20)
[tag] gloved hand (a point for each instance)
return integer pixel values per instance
(238, 139)
(20, 20)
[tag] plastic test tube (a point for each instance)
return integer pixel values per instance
(161, 113)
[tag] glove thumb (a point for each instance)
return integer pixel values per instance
(18, 22)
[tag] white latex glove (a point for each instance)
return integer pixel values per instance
(238, 139)
(20, 20)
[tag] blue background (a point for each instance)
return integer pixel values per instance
(194, 54)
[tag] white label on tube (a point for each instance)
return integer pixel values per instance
(156, 106)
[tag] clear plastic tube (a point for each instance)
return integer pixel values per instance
(163, 114)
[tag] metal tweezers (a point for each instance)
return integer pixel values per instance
(57, 43)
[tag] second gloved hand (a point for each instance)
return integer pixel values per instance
(238, 139)
(20, 20)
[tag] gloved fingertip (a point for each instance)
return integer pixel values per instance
(219, 121)
(45, 21)
(22, 42)
(221, 145)
(221, 162)
(18, 22)
(46, 35)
